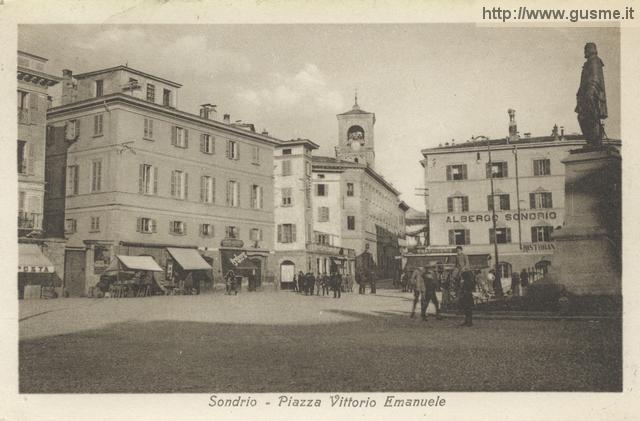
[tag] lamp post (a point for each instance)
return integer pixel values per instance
(515, 152)
(498, 285)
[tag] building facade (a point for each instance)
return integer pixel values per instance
(40, 261)
(130, 174)
(527, 201)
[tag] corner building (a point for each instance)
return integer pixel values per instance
(528, 176)
(130, 174)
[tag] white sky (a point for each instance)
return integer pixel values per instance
(427, 83)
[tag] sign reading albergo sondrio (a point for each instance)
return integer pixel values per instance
(513, 216)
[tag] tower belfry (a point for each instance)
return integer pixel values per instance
(355, 135)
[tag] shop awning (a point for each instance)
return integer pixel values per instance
(139, 263)
(31, 260)
(188, 259)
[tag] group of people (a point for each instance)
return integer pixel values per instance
(308, 283)
(425, 281)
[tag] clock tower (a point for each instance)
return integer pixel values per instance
(355, 136)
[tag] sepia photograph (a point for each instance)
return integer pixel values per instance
(358, 215)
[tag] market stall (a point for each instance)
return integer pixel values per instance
(130, 276)
(187, 269)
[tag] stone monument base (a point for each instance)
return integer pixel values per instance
(588, 256)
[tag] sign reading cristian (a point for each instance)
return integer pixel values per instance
(515, 216)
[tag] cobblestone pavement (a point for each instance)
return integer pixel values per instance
(286, 342)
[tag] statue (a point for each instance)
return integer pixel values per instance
(591, 97)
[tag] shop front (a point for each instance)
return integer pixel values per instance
(130, 276)
(188, 270)
(248, 265)
(35, 272)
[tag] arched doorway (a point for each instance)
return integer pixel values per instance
(542, 267)
(287, 272)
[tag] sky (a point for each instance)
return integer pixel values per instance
(426, 83)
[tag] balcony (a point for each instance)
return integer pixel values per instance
(29, 220)
(23, 116)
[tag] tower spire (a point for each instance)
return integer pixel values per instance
(355, 105)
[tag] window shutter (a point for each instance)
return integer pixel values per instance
(31, 157)
(536, 167)
(146, 127)
(279, 233)
(139, 224)
(155, 180)
(492, 236)
(452, 237)
(141, 179)
(95, 124)
(154, 225)
(293, 232)
(228, 193)
(534, 237)
(238, 194)
(449, 204)
(505, 202)
(465, 203)
(237, 150)
(508, 235)
(505, 169)
(186, 138)
(213, 190)
(261, 202)
(489, 202)
(174, 135)
(228, 153)
(448, 172)
(467, 237)
(186, 185)
(173, 183)
(202, 188)
(76, 179)
(549, 200)
(150, 128)
(201, 142)
(532, 200)
(464, 172)
(77, 133)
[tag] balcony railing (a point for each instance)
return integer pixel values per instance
(23, 116)
(29, 220)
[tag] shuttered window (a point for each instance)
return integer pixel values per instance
(459, 237)
(207, 144)
(501, 200)
(146, 225)
(540, 200)
(456, 172)
(207, 189)
(256, 197)
(147, 179)
(323, 214)
(541, 167)
(287, 199)
(97, 124)
(502, 235)
(286, 167)
(286, 233)
(541, 234)
(179, 184)
(458, 204)
(179, 137)
(96, 175)
(148, 129)
(233, 194)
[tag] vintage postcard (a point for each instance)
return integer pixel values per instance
(284, 210)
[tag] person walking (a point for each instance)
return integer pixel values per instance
(326, 281)
(524, 278)
(230, 283)
(430, 281)
(515, 284)
(336, 285)
(466, 297)
(311, 283)
(417, 285)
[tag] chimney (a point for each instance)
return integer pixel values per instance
(527, 135)
(513, 126)
(69, 87)
(208, 111)
(562, 133)
(265, 132)
(227, 118)
(554, 132)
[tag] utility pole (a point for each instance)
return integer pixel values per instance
(498, 290)
(515, 151)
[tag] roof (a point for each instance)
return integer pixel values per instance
(123, 97)
(415, 214)
(188, 259)
(30, 75)
(128, 69)
(297, 142)
(327, 162)
(24, 53)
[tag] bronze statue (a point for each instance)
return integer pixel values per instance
(591, 97)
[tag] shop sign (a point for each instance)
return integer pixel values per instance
(536, 247)
(35, 269)
(511, 216)
(239, 258)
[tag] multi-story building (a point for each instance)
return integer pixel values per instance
(130, 174)
(528, 196)
(353, 202)
(33, 101)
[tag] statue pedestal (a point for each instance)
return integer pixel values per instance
(588, 256)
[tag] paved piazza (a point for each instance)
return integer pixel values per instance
(286, 342)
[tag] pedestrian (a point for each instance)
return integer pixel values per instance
(365, 266)
(466, 297)
(326, 281)
(515, 284)
(230, 282)
(524, 278)
(252, 280)
(295, 283)
(417, 285)
(336, 285)
(430, 281)
(311, 283)
(491, 280)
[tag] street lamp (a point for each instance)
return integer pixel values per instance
(498, 285)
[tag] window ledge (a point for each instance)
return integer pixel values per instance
(98, 135)
(150, 139)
